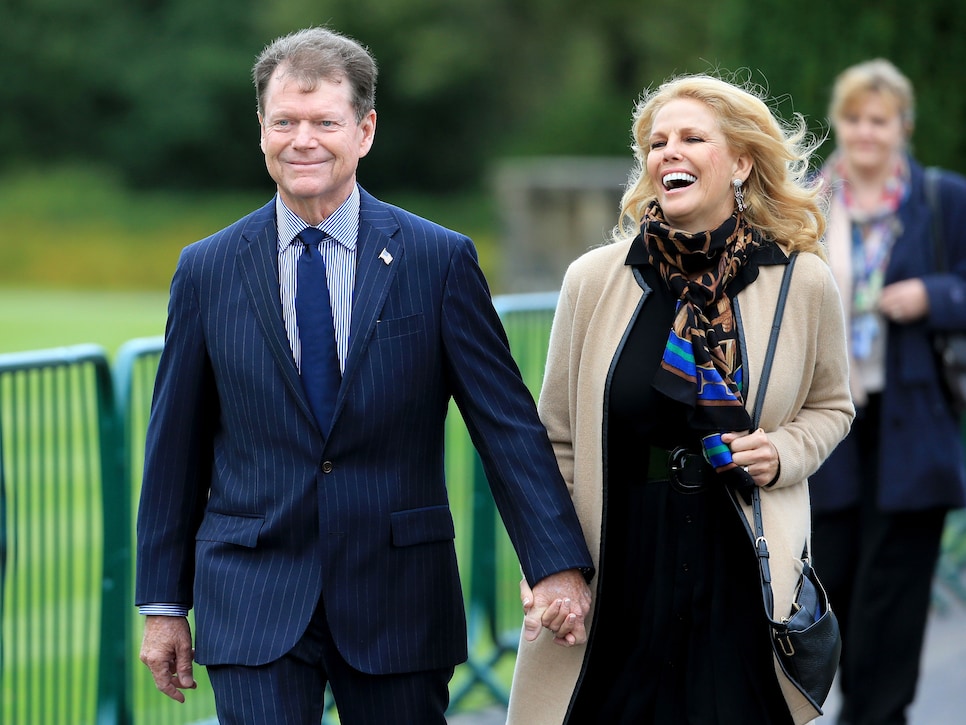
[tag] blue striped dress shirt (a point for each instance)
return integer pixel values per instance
(339, 253)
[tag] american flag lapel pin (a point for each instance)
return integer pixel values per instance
(385, 256)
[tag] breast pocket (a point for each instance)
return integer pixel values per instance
(389, 328)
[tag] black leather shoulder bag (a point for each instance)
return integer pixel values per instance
(806, 641)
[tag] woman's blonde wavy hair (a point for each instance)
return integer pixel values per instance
(780, 199)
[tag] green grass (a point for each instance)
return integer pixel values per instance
(80, 228)
(36, 319)
(85, 260)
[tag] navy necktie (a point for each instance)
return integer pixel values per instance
(320, 362)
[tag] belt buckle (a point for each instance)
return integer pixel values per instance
(678, 468)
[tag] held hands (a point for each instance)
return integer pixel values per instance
(560, 603)
(755, 453)
(166, 650)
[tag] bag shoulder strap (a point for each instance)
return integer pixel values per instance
(932, 177)
(772, 340)
(761, 544)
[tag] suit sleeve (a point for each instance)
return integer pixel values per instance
(502, 420)
(178, 454)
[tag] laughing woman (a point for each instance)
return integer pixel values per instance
(717, 203)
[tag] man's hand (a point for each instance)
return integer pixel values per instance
(560, 603)
(166, 650)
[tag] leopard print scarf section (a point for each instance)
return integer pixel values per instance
(701, 366)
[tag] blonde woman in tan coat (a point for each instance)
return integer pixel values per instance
(657, 345)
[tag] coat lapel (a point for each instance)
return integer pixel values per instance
(379, 255)
(257, 262)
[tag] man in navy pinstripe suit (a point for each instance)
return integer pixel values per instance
(316, 555)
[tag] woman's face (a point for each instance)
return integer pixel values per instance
(692, 167)
(870, 133)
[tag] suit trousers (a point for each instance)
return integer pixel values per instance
(291, 690)
(878, 568)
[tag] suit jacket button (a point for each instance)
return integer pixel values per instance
(327, 467)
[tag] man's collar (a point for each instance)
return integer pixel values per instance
(342, 224)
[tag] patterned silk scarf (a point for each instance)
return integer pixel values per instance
(873, 233)
(701, 366)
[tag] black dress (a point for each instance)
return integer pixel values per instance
(679, 636)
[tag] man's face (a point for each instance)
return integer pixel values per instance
(312, 143)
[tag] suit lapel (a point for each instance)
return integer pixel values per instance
(257, 262)
(379, 255)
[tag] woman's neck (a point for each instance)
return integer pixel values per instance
(867, 185)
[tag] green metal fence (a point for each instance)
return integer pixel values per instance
(490, 568)
(58, 448)
(134, 371)
(72, 431)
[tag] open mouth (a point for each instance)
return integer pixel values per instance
(678, 180)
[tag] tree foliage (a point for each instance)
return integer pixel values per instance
(160, 90)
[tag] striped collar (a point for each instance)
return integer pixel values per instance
(342, 224)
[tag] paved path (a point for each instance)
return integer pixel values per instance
(941, 699)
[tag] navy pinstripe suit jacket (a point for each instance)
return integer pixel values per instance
(248, 515)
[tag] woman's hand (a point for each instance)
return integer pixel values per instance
(755, 453)
(904, 302)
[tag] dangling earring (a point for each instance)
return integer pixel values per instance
(739, 197)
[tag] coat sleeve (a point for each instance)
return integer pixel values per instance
(947, 290)
(808, 408)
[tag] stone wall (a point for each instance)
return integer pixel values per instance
(552, 209)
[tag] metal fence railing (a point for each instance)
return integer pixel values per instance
(135, 368)
(57, 459)
(72, 430)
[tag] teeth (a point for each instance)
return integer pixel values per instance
(678, 179)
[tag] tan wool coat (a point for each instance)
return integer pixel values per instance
(807, 411)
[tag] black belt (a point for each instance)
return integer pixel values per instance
(687, 471)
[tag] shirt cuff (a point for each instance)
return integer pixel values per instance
(165, 610)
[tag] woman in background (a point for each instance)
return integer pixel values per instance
(650, 439)
(879, 503)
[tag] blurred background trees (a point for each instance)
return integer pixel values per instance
(159, 92)
(131, 123)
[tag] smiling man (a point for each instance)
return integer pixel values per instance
(293, 489)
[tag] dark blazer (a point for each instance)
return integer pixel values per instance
(921, 461)
(249, 515)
